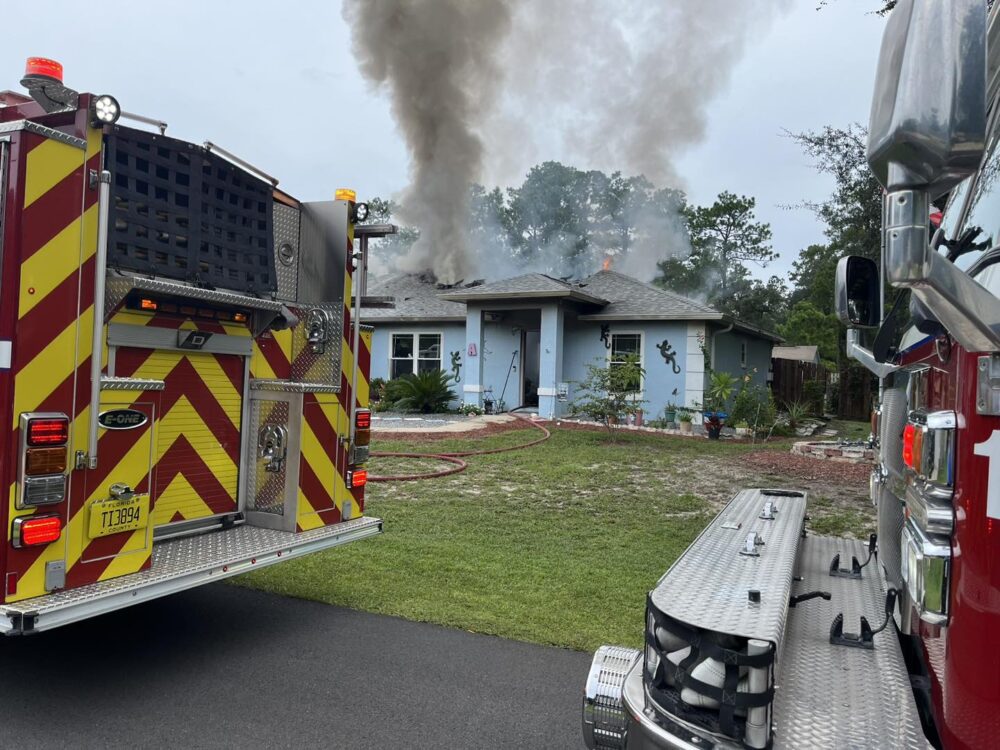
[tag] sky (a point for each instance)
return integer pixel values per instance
(277, 85)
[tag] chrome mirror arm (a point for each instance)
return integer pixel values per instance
(865, 357)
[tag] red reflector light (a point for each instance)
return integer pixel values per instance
(908, 435)
(363, 419)
(43, 66)
(359, 478)
(48, 431)
(39, 530)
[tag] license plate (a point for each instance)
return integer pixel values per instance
(114, 516)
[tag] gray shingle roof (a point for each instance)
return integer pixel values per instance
(416, 298)
(529, 285)
(797, 353)
(634, 300)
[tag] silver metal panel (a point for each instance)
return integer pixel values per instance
(131, 384)
(286, 251)
(707, 586)
(4, 159)
(312, 367)
(180, 564)
(835, 697)
(266, 489)
(288, 386)
(323, 253)
(148, 337)
(34, 127)
(119, 287)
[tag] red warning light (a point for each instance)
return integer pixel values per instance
(43, 67)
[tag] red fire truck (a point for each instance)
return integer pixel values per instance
(183, 378)
(762, 635)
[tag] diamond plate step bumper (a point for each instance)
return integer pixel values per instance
(180, 564)
(731, 591)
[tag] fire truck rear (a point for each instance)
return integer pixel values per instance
(762, 635)
(182, 378)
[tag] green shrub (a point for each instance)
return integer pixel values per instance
(425, 392)
(471, 410)
(608, 394)
(754, 404)
(814, 394)
(797, 412)
(376, 390)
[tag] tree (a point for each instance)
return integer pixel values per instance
(724, 238)
(809, 326)
(759, 303)
(814, 274)
(853, 214)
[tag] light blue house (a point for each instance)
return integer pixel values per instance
(526, 341)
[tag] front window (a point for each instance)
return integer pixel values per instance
(743, 354)
(415, 352)
(626, 346)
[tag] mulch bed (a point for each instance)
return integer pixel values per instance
(803, 467)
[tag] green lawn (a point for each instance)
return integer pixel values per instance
(850, 430)
(557, 544)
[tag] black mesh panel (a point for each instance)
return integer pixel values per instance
(184, 213)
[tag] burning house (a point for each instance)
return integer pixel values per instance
(527, 340)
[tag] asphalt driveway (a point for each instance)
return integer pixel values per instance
(222, 666)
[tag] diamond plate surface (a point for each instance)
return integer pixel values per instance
(707, 586)
(832, 696)
(203, 553)
(266, 489)
(307, 365)
(286, 232)
(119, 287)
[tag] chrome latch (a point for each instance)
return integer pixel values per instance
(750, 545)
(988, 385)
(769, 511)
(121, 491)
(272, 447)
(317, 329)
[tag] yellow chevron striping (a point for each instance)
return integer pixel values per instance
(40, 377)
(52, 264)
(218, 382)
(307, 517)
(178, 487)
(132, 556)
(48, 164)
(259, 366)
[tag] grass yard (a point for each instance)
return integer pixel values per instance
(556, 544)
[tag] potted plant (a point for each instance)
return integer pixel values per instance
(669, 412)
(720, 389)
(685, 420)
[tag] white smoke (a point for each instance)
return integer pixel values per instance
(487, 88)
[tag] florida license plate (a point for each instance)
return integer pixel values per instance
(113, 516)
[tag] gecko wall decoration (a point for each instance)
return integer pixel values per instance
(456, 366)
(669, 355)
(606, 335)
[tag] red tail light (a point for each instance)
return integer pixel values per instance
(357, 478)
(908, 434)
(363, 419)
(32, 531)
(48, 431)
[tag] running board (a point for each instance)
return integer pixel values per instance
(180, 564)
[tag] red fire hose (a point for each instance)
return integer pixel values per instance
(452, 458)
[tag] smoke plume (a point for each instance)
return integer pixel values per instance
(437, 59)
(483, 89)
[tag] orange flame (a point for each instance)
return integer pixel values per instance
(606, 265)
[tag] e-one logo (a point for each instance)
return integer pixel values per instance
(122, 419)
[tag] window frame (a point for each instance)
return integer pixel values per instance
(744, 354)
(416, 359)
(640, 393)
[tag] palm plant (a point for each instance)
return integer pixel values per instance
(427, 392)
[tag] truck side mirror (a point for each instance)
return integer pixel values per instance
(857, 292)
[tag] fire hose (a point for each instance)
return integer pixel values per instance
(453, 458)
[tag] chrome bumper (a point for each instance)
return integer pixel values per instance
(616, 714)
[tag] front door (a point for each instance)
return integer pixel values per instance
(530, 370)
